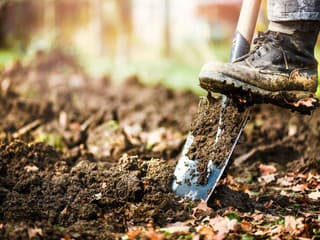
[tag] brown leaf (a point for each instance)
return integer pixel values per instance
(152, 235)
(246, 226)
(5, 85)
(103, 185)
(30, 168)
(268, 204)
(314, 195)
(306, 102)
(176, 228)
(222, 226)
(299, 188)
(67, 237)
(33, 232)
(207, 233)
(134, 233)
(266, 170)
(293, 225)
(285, 181)
(75, 126)
(258, 217)
(268, 178)
(63, 119)
(201, 209)
(162, 138)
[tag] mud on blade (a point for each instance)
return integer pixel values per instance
(214, 134)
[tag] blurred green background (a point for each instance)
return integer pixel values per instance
(163, 41)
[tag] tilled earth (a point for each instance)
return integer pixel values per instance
(81, 158)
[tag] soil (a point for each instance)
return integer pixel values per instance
(81, 158)
(204, 128)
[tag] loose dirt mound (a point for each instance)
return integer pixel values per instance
(39, 185)
(109, 168)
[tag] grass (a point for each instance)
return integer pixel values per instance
(8, 56)
(169, 72)
(178, 72)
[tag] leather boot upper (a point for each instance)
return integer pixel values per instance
(278, 62)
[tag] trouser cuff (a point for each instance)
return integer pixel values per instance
(289, 27)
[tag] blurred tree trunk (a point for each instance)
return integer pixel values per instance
(126, 29)
(3, 2)
(49, 15)
(3, 16)
(98, 26)
(167, 29)
(19, 21)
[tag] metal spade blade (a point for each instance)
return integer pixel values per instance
(186, 182)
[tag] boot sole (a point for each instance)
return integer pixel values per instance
(301, 101)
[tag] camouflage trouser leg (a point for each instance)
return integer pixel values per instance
(294, 10)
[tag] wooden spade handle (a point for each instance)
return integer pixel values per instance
(246, 28)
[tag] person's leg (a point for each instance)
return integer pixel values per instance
(282, 62)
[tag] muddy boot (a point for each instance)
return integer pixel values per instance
(281, 69)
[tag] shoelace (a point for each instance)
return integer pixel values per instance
(262, 40)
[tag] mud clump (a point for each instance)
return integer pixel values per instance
(214, 129)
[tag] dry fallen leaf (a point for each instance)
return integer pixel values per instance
(274, 230)
(258, 217)
(293, 225)
(285, 181)
(268, 204)
(246, 226)
(176, 229)
(306, 102)
(30, 168)
(75, 126)
(292, 130)
(222, 226)
(314, 195)
(201, 209)
(152, 235)
(299, 188)
(207, 233)
(266, 170)
(33, 232)
(268, 178)
(162, 138)
(5, 85)
(67, 237)
(132, 234)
